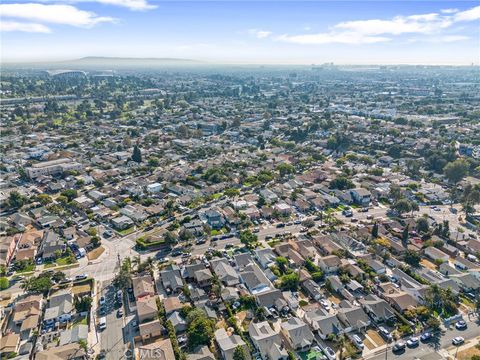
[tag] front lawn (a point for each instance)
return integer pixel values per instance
(127, 231)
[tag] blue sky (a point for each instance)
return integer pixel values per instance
(282, 32)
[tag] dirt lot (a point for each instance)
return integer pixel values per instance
(467, 354)
(428, 264)
(95, 253)
(376, 337)
(368, 344)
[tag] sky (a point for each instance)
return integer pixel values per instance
(248, 32)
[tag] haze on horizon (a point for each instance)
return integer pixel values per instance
(252, 32)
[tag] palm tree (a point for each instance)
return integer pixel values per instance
(341, 340)
(136, 261)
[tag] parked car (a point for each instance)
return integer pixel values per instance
(426, 336)
(330, 353)
(461, 325)
(458, 340)
(102, 300)
(120, 313)
(81, 277)
(399, 346)
(358, 342)
(385, 333)
(413, 341)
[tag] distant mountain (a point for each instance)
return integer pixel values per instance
(128, 62)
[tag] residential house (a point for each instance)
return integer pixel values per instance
(323, 323)
(297, 334)
(353, 318)
(172, 279)
(267, 341)
(227, 343)
(147, 309)
(60, 307)
(329, 264)
(436, 254)
(143, 286)
(378, 309)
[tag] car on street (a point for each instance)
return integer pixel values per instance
(102, 324)
(347, 213)
(330, 353)
(81, 277)
(413, 341)
(426, 337)
(120, 313)
(458, 340)
(461, 325)
(399, 346)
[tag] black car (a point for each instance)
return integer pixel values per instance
(399, 346)
(426, 337)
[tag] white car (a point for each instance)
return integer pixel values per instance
(413, 341)
(358, 342)
(102, 300)
(458, 340)
(330, 353)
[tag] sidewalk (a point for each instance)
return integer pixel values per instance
(462, 352)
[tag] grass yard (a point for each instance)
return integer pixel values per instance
(311, 355)
(80, 321)
(95, 253)
(127, 231)
(65, 261)
(81, 289)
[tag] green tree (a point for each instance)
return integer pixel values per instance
(40, 284)
(456, 170)
(137, 154)
(239, 353)
(402, 206)
(70, 194)
(169, 238)
(282, 264)
(412, 258)
(375, 230)
(16, 200)
(422, 225)
(83, 304)
(248, 238)
(4, 283)
(200, 328)
(341, 183)
(285, 169)
(290, 282)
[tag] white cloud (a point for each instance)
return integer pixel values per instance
(468, 15)
(449, 11)
(440, 39)
(421, 24)
(381, 30)
(54, 14)
(23, 27)
(259, 34)
(350, 38)
(130, 4)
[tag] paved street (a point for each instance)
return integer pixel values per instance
(111, 339)
(431, 349)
